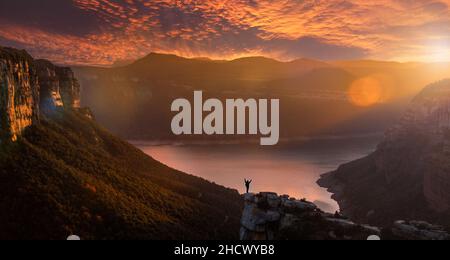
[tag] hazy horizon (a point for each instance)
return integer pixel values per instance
(123, 63)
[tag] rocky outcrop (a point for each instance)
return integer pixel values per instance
(59, 88)
(69, 87)
(19, 93)
(30, 87)
(267, 216)
(49, 85)
(408, 176)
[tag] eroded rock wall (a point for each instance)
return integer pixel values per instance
(19, 93)
(69, 87)
(59, 87)
(30, 87)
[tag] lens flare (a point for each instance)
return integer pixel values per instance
(365, 92)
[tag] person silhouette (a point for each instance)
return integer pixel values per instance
(247, 184)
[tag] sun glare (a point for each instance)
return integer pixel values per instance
(365, 92)
(440, 53)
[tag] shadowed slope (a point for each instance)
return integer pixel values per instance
(67, 175)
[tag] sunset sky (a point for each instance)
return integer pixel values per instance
(103, 32)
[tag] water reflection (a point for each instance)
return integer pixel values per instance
(286, 169)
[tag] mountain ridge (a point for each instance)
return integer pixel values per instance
(367, 62)
(63, 174)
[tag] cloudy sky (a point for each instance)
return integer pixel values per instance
(102, 32)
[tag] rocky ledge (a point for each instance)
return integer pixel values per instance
(267, 216)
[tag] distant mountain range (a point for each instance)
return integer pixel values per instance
(316, 97)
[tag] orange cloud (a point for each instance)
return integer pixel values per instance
(383, 29)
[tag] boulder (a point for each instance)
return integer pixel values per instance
(253, 218)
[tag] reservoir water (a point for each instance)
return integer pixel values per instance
(291, 169)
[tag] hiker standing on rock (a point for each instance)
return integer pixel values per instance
(247, 184)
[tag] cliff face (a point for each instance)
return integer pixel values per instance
(29, 87)
(49, 86)
(409, 174)
(59, 87)
(19, 93)
(69, 87)
(429, 118)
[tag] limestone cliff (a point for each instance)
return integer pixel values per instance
(49, 86)
(59, 87)
(69, 87)
(29, 87)
(19, 93)
(409, 174)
